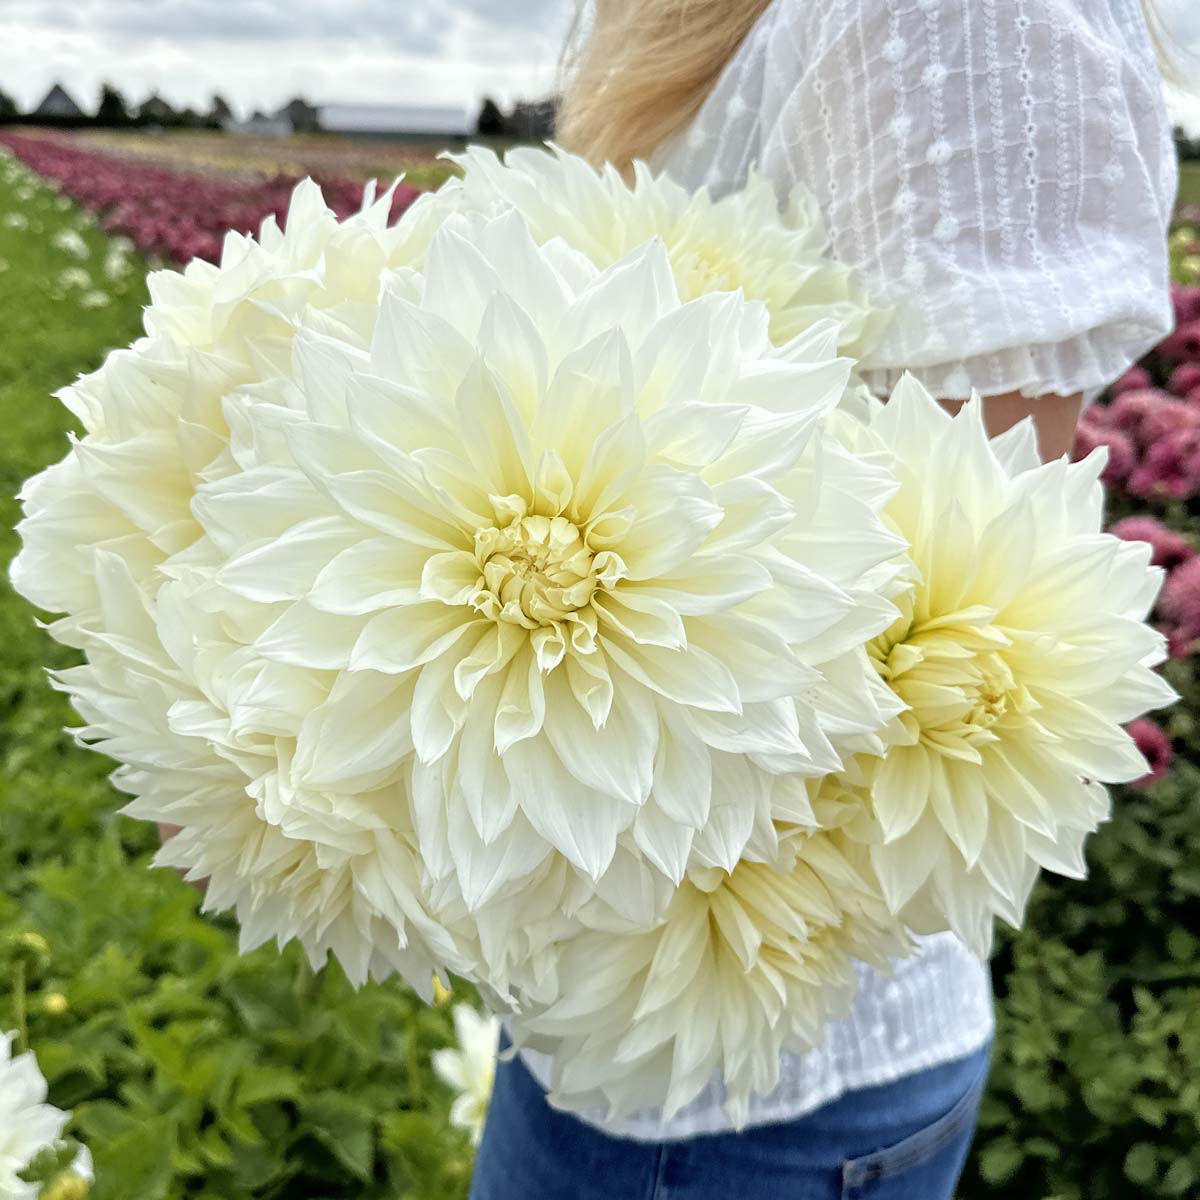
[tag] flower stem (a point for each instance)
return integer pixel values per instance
(19, 1006)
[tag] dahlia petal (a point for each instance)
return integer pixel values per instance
(578, 821)
(692, 434)
(399, 639)
(675, 514)
(521, 710)
(358, 737)
(693, 677)
(287, 567)
(304, 637)
(493, 434)
(643, 619)
(618, 757)
(900, 790)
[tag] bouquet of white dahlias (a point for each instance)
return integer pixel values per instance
(510, 592)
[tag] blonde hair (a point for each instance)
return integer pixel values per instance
(644, 68)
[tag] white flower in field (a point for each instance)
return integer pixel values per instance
(70, 242)
(28, 1125)
(745, 964)
(95, 298)
(117, 260)
(73, 277)
(1020, 653)
(15, 220)
(740, 242)
(470, 1069)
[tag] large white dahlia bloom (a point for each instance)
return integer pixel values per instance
(456, 594)
(1020, 651)
(740, 242)
(745, 964)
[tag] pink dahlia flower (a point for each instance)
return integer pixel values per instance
(1186, 302)
(1167, 419)
(1184, 344)
(1170, 468)
(1122, 454)
(1133, 379)
(1168, 548)
(1185, 379)
(1179, 607)
(1154, 744)
(1129, 409)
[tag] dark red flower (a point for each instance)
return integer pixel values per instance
(1154, 744)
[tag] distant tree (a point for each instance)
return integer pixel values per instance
(491, 121)
(219, 111)
(8, 106)
(1187, 147)
(113, 110)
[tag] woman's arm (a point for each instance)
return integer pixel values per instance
(1054, 418)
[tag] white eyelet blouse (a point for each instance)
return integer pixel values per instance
(1001, 172)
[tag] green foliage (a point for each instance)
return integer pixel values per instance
(192, 1072)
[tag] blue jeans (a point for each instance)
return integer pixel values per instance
(905, 1140)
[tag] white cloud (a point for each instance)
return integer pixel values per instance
(416, 51)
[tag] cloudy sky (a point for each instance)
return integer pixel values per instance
(259, 53)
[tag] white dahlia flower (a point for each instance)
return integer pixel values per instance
(28, 1125)
(740, 242)
(1020, 652)
(456, 594)
(470, 1068)
(746, 964)
(573, 556)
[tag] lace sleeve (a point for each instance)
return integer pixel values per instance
(999, 171)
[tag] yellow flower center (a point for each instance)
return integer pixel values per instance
(537, 570)
(952, 674)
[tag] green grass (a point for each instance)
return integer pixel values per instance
(1189, 183)
(192, 1072)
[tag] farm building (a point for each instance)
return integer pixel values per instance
(414, 121)
(58, 102)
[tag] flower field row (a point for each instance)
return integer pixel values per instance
(317, 154)
(170, 214)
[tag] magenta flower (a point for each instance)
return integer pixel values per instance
(1179, 607)
(1185, 379)
(1122, 454)
(1129, 410)
(1184, 344)
(1155, 746)
(1170, 468)
(1169, 549)
(1167, 419)
(1186, 302)
(1133, 379)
